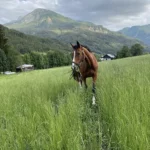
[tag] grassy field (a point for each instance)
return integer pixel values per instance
(45, 110)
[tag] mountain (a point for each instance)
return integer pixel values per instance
(139, 32)
(48, 24)
(25, 43)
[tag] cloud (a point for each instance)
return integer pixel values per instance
(12, 9)
(110, 13)
(113, 14)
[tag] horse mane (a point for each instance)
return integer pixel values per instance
(75, 47)
(86, 48)
(89, 57)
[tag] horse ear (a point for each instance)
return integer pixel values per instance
(78, 44)
(72, 45)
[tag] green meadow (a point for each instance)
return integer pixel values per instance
(46, 110)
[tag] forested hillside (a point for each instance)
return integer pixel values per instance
(26, 43)
(17, 48)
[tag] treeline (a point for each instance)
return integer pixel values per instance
(47, 60)
(135, 50)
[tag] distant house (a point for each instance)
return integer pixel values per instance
(24, 67)
(107, 57)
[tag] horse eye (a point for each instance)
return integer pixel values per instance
(78, 54)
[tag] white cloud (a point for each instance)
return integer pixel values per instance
(12, 9)
(113, 14)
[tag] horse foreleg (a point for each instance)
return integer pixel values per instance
(94, 90)
(84, 80)
(80, 84)
(80, 81)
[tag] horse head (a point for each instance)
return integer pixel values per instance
(78, 56)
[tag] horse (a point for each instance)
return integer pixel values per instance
(84, 65)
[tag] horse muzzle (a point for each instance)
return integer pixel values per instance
(75, 66)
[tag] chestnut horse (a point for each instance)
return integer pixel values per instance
(84, 65)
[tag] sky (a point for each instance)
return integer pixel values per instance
(112, 14)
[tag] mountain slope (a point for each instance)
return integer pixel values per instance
(25, 43)
(48, 24)
(140, 32)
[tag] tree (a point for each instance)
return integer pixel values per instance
(34, 59)
(3, 50)
(10, 57)
(26, 58)
(56, 58)
(39, 60)
(45, 60)
(3, 61)
(124, 52)
(50, 59)
(3, 40)
(136, 50)
(13, 59)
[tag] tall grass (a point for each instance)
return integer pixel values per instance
(125, 103)
(46, 110)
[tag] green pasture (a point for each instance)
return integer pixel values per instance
(46, 110)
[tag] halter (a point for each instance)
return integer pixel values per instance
(79, 64)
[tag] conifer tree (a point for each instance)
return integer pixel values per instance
(3, 41)
(3, 61)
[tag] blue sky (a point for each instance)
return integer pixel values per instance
(112, 14)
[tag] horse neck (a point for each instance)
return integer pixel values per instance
(88, 56)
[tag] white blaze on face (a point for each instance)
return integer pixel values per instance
(73, 65)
